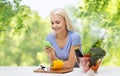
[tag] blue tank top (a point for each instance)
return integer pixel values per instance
(63, 53)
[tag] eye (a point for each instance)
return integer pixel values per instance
(57, 22)
(52, 23)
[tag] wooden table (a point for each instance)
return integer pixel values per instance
(28, 71)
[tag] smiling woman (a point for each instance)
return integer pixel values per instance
(64, 39)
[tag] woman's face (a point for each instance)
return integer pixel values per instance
(58, 23)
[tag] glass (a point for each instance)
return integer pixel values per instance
(84, 63)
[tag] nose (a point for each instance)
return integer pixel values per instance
(54, 25)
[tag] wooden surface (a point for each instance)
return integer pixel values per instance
(49, 70)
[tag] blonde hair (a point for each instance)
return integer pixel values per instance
(64, 14)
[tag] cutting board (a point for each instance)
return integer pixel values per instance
(49, 70)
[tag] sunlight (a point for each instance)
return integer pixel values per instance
(43, 7)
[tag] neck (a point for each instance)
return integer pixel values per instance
(62, 35)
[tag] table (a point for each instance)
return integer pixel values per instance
(28, 71)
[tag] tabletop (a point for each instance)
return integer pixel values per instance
(28, 71)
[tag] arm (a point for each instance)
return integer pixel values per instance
(51, 53)
(72, 58)
(49, 49)
(76, 43)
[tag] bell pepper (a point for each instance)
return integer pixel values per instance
(57, 64)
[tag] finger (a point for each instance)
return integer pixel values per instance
(48, 47)
(49, 50)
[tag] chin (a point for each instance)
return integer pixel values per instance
(56, 32)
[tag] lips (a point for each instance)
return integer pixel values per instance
(56, 29)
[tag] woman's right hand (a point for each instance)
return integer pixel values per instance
(51, 53)
(49, 50)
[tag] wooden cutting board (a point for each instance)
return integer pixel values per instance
(49, 70)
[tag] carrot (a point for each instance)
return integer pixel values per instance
(94, 68)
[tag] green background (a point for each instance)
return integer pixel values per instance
(22, 31)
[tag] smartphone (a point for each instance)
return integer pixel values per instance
(47, 44)
(78, 53)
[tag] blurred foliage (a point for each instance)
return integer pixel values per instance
(98, 17)
(22, 32)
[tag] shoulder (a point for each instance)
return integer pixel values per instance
(75, 34)
(75, 37)
(50, 36)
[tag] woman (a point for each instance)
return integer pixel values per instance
(63, 40)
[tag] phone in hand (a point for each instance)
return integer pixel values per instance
(47, 44)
